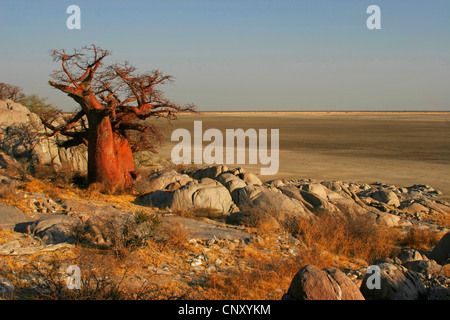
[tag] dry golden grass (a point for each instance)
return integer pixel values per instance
(103, 275)
(356, 237)
(171, 290)
(257, 271)
(261, 220)
(420, 238)
(176, 236)
(259, 277)
(440, 219)
(265, 273)
(11, 197)
(39, 186)
(5, 236)
(246, 285)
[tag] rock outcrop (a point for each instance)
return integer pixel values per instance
(311, 283)
(55, 228)
(387, 205)
(271, 201)
(396, 283)
(206, 193)
(23, 135)
(12, 218)
(441, 252)
(164, 180)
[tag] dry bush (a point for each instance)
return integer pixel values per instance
(173, 290)
(48, 189)
(268, 275)
(65, 177)
(353, 237)
(19, 169)
(97, 188)
(48, 281)
(122, 235)
(103, 277)
(11, 197)
(442, 219)
(317, 257)
(37, 186)
(420, 238)
(60, 190)
(61, 177)
(181, 212)
(256, 284)
(267, 219)
(262, 273)
(44, 172)
(262, 277)
(175, 235)
(6, 235)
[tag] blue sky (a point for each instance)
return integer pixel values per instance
(247, 55)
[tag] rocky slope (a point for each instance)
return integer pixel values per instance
(23, 135)
(218, 248)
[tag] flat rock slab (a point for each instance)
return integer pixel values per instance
(11, 216)
(207, 229)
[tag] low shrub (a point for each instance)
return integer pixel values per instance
(354, 237)
(420, 238)
(175, 236)
(120, 234)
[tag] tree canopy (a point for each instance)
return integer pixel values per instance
(115, 102)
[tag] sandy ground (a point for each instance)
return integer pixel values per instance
(394, 148)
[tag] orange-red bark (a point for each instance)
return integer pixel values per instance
(110, 156)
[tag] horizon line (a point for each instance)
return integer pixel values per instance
(306, 111)
(325, 111)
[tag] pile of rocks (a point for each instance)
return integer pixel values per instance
(410, 276)
(55, 221)
(234, 191)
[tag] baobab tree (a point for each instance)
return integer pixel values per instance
(114, 102)
(9, 91)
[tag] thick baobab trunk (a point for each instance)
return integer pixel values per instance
(110, 159)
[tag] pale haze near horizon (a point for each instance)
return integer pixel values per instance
(247, 55)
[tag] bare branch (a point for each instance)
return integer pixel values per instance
(65, 127)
